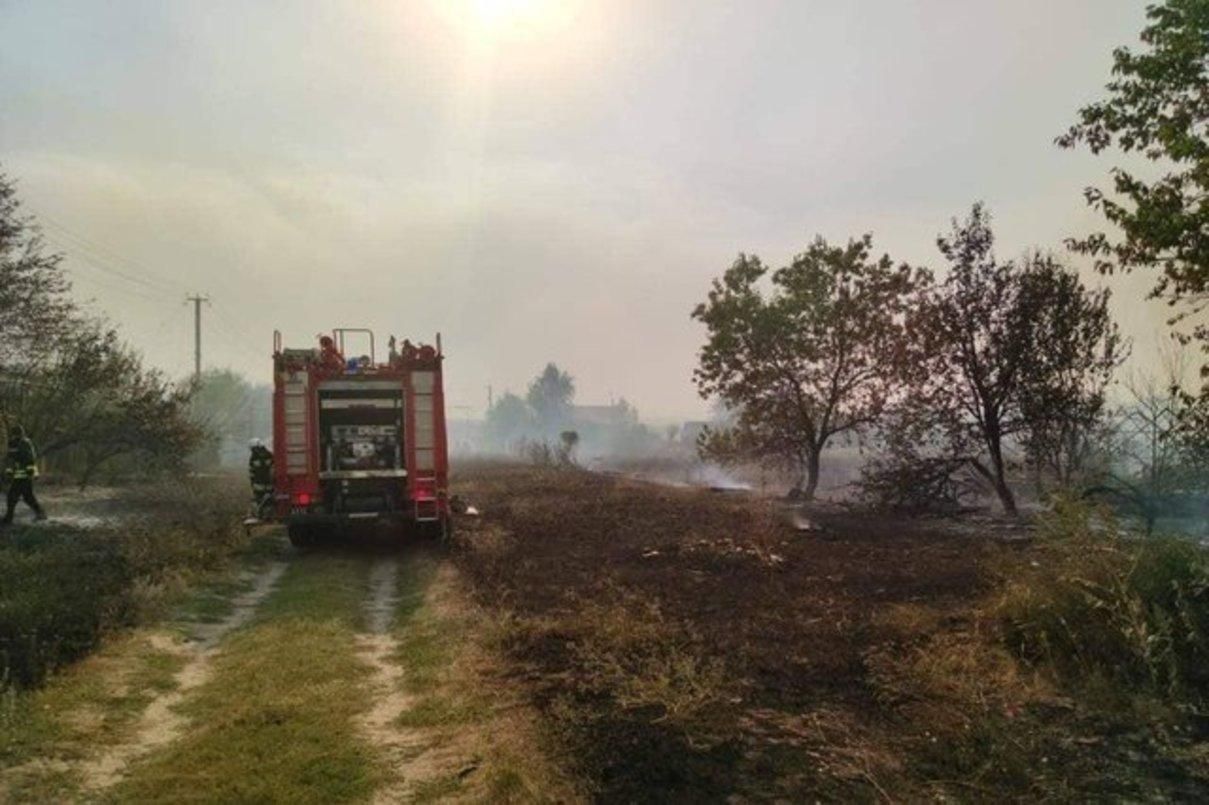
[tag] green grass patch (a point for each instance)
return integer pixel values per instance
(427, 643)
(276, 720)
(94, 703)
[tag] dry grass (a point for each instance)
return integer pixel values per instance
(691, 646)
(478, 741)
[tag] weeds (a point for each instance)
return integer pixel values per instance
(1096, 604)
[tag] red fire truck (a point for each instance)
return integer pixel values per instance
(359, 442)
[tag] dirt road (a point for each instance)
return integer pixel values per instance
(318, 677)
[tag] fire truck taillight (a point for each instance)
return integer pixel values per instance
(302, 499)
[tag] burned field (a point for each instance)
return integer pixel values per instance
(690, 645)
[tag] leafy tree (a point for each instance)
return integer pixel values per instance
(568, 440)
(228, 409)
(550, 395)
(92, 402)
(1064, 381)
(810, 360)
(35, 305)
(1157, 107)
(83, 395)
(1005, 351)
(508, 419)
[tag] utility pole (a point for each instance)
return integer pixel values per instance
(197, 300)
(490, 398)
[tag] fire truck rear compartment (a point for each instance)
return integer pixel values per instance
(361, 447)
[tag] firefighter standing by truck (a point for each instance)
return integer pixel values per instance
(260, 475)
(20, 469)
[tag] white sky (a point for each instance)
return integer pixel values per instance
(537, 180)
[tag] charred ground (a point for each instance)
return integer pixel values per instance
(686, 644)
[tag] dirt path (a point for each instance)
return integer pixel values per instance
(160, 723)
(376, 649)
(406, 752)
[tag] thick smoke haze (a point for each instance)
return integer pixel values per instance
(539, 181)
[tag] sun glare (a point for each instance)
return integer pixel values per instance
(516, 19)
(494, 13)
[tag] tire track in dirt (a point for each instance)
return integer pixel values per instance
(160, 724)
(376, 648)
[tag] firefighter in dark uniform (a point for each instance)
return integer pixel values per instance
(260, 474)
(20, 469)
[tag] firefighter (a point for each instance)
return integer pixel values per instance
(329, 356)
(260, 474)
(20, 469)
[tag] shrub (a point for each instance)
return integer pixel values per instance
(913, 484)
(62, 588)
(1099, 604)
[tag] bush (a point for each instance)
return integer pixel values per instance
(913, 484)
(1098, 604)
(62, 589)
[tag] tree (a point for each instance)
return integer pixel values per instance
(225, 406)
(91, 402)
(508, 419)
(1157, 107)
(1064, 381)
(35, 306)
(568, 440)
(82, 394)
(811, 360)
(550, 395)
(1006, 351)
(1154, 464)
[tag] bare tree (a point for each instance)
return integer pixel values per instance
(1154, 462)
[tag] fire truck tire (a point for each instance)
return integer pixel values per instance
(302, 536)
(440, 531)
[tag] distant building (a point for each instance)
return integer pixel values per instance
(599, 415)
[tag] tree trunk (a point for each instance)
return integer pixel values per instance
(812, 475)
(1006, 499)
(994, 445)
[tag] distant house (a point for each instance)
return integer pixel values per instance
(605, 416)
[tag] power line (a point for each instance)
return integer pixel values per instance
(139, 292)
(83, 254)
(109, 257)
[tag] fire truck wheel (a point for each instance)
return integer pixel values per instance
(438, 531)
(302, 536)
